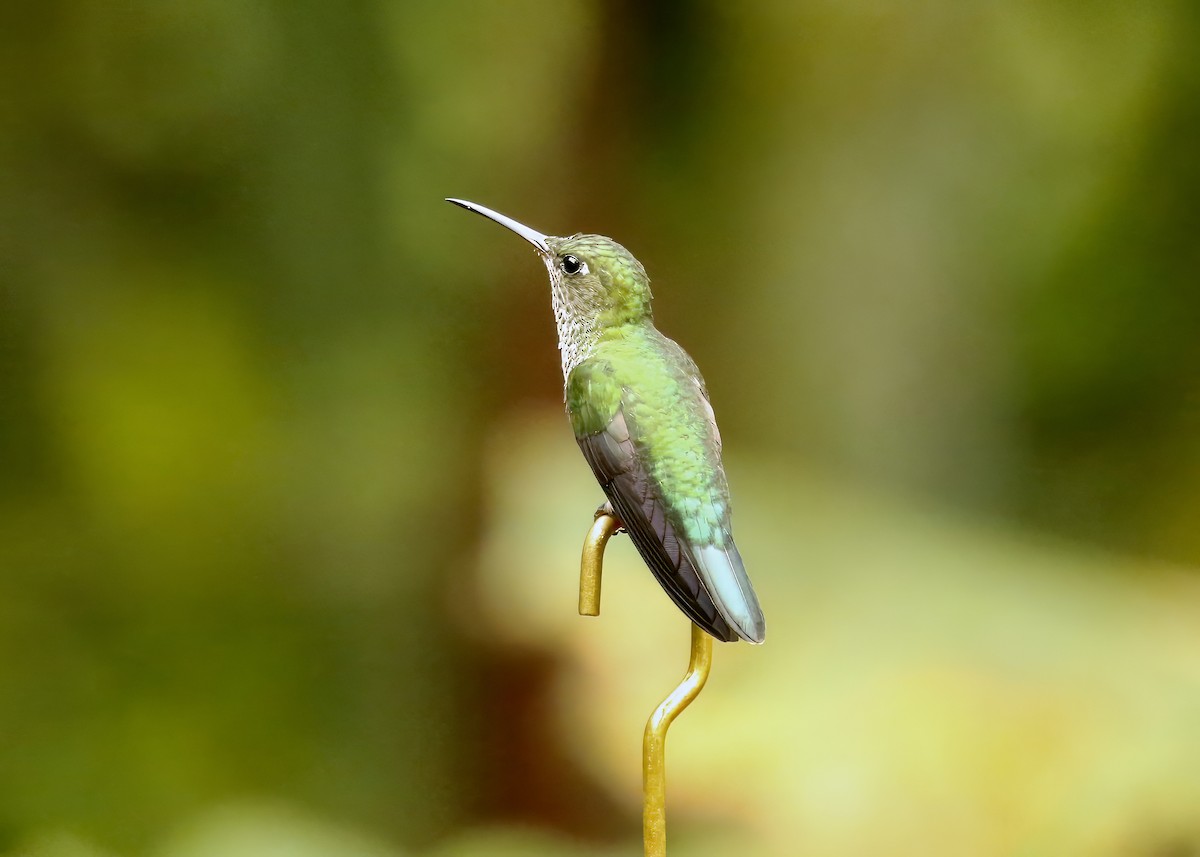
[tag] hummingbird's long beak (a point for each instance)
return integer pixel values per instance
(534, 237)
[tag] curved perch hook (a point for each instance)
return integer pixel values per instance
(591, 565)
(654, 741)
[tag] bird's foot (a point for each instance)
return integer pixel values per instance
(607, 509)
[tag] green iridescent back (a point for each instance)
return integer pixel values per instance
(637, 370)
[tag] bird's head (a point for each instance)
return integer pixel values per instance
(593, 278)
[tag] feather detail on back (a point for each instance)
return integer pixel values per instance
(642, 419)
(644, 516)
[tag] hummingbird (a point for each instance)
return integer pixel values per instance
(641, 415)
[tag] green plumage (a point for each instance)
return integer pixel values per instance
(636, 368)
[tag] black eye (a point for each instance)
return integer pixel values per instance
(571, 265)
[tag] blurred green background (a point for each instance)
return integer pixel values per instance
(290, 514)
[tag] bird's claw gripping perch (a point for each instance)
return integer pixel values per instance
(606, 508)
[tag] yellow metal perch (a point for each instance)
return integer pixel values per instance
(591, 566)
(654, 741)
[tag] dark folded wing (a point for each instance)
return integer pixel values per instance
(636, 501)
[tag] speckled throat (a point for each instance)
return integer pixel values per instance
(576, 316)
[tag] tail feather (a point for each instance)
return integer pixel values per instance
(729, 586)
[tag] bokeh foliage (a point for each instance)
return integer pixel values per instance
(261, 395)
